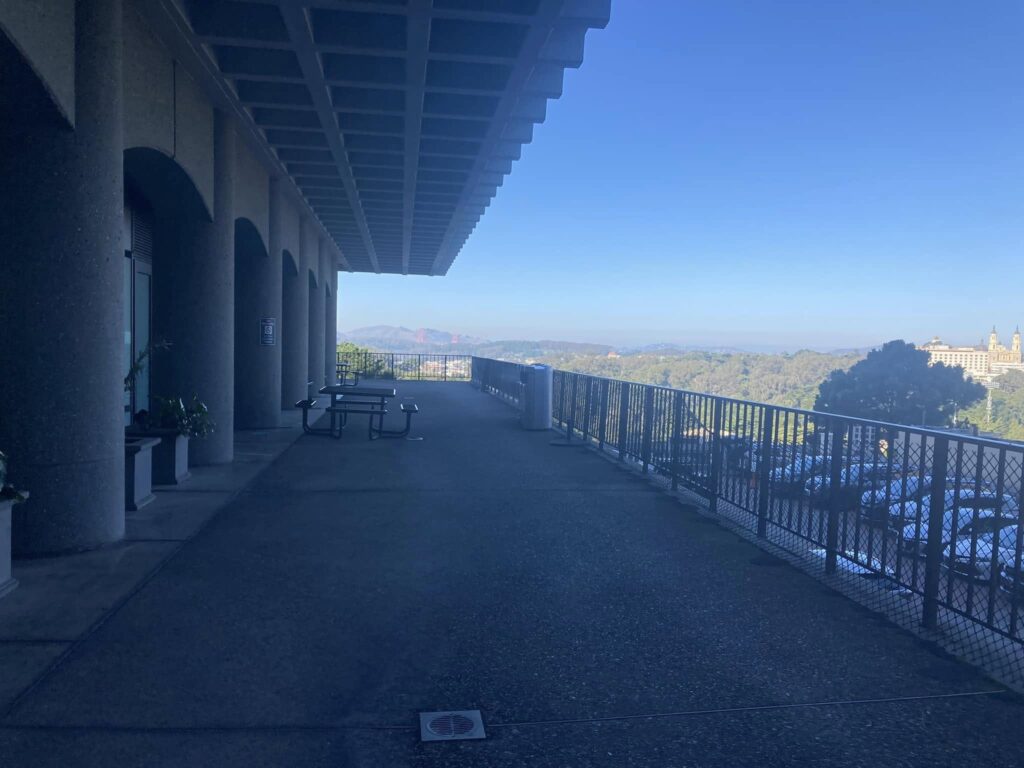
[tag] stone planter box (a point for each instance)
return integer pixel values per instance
(138, 471)
(7, 581)
(170, 457)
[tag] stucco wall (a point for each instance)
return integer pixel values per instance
(148, 89)
(193, 134)
(44, 32)
(310, 258)
(163, 107)
(252, 192)
(290, 232)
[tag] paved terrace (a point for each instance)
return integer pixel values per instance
(352, 585)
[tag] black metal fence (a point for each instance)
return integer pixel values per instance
(921, 524)
(498, 378)
(402, 365)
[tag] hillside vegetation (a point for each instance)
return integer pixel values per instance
(1007, 408)
(779, 379)
(783, 379)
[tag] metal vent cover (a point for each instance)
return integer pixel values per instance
(452, 725)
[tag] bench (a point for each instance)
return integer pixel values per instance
(342, 373)
(410, 409)
(305, 405)
(347, 407)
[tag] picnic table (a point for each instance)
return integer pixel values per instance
(343, 371)
(347, 399)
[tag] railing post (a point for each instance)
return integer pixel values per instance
(603, 425)
(764, 471)
(835, 480)
(677, 424)
(560, 417)
(445, 368)
(570, 425)
(588, 409)
(716, 453)
(645, 450)
(933, 547)
(623, 418)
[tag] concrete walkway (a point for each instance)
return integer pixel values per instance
(355, 584)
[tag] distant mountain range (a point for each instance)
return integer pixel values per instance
(389, 338)
(399, 339)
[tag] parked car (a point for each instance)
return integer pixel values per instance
(1011, 579)
(853, 481)
(913, 536)
(907, 512)
(794, 474)
(971, 555)
(851, 475)
(876, 504)
(899, 488)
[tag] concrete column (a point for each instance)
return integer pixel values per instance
(61, 294)
(295, 322)
(258, 301)
(329, 277)
(316, 321)
(204, 316)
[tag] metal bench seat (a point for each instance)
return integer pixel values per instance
(340, 413)
(305, 405)
(409, 408)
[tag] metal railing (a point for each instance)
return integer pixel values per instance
(405, 366)
(498, 378)
(919, 523)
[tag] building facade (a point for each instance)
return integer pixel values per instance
(182, 181)
(982, 362)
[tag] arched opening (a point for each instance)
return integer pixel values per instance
(289, 264)
(24, 94)
(161, 203)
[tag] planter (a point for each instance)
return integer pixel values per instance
(170, 457)
(138, 471)
(7, 581)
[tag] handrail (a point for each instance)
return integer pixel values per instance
(408, 365)
(932, 514)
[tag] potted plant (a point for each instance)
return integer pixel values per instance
(175, 423)
(9, 496)
(138, 448)
(138, 471)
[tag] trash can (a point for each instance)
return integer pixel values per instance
(535, 397)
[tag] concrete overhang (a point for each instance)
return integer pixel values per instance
(397, 120)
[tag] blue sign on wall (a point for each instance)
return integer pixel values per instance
(268, 331)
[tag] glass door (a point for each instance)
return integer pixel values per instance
(142, 313)
(138, 302)
(128, 355)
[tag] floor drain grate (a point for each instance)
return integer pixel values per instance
(452, 726)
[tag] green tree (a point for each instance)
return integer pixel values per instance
(346, 348)
(1007, 415)
(895, 383)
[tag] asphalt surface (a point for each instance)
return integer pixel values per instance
(356, 584)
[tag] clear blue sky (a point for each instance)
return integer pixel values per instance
(799, 173)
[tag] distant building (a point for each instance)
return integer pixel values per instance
(982, 362)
